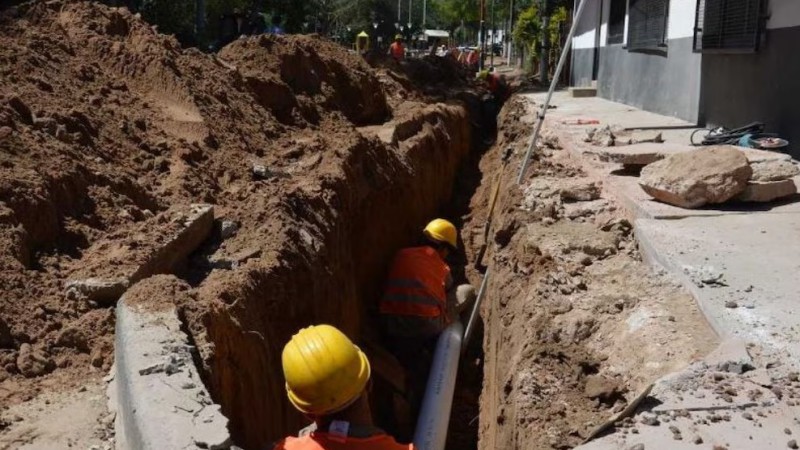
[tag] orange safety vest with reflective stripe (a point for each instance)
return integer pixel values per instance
(416, 284)
(324, 441)
(397, 50)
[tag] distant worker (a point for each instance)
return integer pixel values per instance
(496, 84)
(397, 50)
(327, 379)
(362, 43)
(420, 301)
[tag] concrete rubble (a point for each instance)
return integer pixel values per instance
(691, 180)
(767, 191)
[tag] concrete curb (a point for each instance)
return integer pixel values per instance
(161, 401)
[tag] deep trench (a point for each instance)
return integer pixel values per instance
(385, 201)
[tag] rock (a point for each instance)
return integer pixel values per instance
(767, 191)
(773, 170)
(636, 447)
(228, 228)
(73, 337)
(580, 192)
(6, 339)
(792, 444)
(585, 209)
(693, 179)
(33, 363)
(731, 304)
(5, 132)
(697, 440)
(649, 419)
(638, 154)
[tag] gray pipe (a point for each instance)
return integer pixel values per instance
(434, 417)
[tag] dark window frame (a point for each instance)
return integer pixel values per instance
(733, 33)
(653, 16)
(618, 34)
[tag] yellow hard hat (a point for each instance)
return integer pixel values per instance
(441, 230)
(398, 36)
(325, 372)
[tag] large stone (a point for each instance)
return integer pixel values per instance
(693, 179)
(768, 191)
(773, 170)
(33, 363)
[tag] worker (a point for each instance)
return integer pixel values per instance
(496, 83)
(397, 50)
(420, 301)
(362, 43)
(327, 380)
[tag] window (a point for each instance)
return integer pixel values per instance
(616, 21)
(727, 25)
(648, 24)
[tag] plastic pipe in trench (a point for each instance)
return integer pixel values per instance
(434, 417)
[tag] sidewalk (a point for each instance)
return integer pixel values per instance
(753, 253)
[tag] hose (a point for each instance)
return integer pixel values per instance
(721, 136)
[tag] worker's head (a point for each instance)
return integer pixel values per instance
(325, 372)
(398, 38)
(482, 75)
(442, 234)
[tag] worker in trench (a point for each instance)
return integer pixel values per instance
(397, 50)
(328, 380)
(499, 92)
(420, 300)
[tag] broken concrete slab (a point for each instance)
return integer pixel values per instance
(161, 401)
(103, 291)
(693, 179)
(638, 154)
(755, 155)
(767, 191)
(111, 265)
(774, 170)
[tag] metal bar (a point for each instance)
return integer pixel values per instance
(553, 83)
(434, 417)
(476, 308)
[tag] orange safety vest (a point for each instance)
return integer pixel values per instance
(416, 284)
(397, 50)
(324, 441)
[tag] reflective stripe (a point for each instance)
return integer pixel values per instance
(404, 283)
(410, 298)
(402, 308)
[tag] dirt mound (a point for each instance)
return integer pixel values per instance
(106, 127)
(308, 76)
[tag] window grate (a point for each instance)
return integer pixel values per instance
(647, 28)
(727, 25)
(616, 21)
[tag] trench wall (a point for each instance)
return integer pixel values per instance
(337, 236)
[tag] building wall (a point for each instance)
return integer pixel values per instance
(584, 45)
(666, 82)
(759, 87)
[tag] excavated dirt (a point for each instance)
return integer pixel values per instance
(575, 323)
(107, 126)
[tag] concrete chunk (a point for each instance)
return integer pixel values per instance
(773, 170)
(768, 191)
(103, 291)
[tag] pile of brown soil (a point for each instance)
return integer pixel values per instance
(106, 124)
